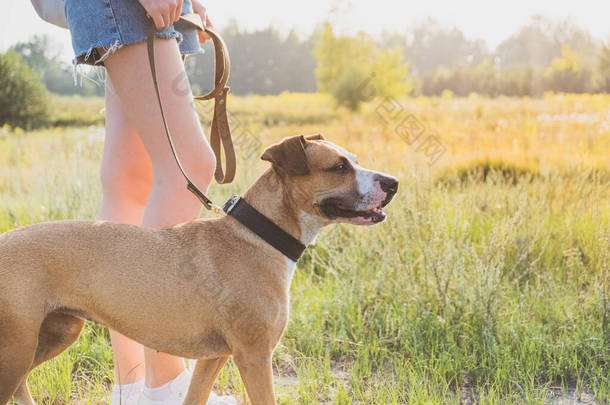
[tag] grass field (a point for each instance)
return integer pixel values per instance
(488, 283)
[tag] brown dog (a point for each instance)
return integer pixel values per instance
(205, 289)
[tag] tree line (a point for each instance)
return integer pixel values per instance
(544, 55)
(429, 59)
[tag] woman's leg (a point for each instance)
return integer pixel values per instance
(169, 201)
(126, 176)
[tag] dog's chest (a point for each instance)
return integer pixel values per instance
(290, 268)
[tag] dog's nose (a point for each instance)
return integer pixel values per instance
(388, 184)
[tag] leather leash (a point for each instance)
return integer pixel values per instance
(236, 206)
(220, 131)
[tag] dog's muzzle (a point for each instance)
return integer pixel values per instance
(344, 209)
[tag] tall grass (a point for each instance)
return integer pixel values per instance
(487, 289)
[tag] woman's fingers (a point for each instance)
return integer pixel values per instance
(158, 19)
(163, 12)
(161, 18)
(203, 36)
(177, 11)
(201, 10)
(172, 16)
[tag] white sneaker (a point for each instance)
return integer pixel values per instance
(126, 394)
(174, 393)
(221, 399)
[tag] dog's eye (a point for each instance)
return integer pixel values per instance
(340, 167)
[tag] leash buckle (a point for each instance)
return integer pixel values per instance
(230, 204)
(218, 210)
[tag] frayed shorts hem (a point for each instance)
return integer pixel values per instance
(92, 56)
(99, 28)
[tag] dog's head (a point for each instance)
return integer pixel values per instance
(325, 180)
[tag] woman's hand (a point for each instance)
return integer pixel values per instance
(200, 9)
(163, 12)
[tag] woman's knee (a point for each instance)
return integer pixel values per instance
(126, 181)
(199, 166)
(202, 165)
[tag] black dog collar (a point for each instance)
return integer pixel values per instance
(239, 209)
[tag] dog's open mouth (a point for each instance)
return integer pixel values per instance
(333, 209)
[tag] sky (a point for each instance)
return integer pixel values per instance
(491, 21)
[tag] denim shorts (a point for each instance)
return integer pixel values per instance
(110, 24)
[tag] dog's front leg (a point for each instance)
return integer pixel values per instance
(202, 382)
(257, 374)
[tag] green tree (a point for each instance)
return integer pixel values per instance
(262, 62)
(566, 73)
(57, 76)
(24, 100)
(355, 69)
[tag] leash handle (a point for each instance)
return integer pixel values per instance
(222, 63)
(220, 131)
(220, 127)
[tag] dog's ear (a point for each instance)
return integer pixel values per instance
(315, 137)
(288, 156)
